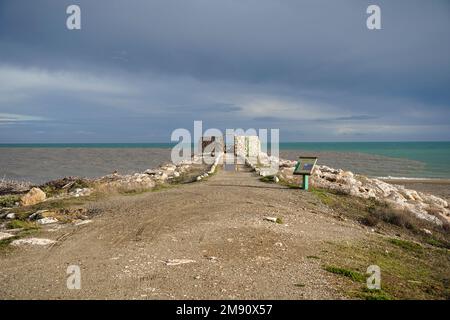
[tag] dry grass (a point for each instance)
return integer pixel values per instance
(8, 186)
(385, 218)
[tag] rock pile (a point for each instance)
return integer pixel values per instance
(151, 177)
(423, 206)
(216, 162)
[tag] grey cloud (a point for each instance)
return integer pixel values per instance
(150, 66)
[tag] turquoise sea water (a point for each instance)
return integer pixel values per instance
(396, 159)
(432, 158)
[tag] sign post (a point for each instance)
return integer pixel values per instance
(305, 167)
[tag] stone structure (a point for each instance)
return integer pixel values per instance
(247, 146)
(212, 145)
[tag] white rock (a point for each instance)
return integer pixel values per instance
(11, 215)
(47, 220)
(427, 231)
(32, 241)
(410, 194)
(433, 200)
(4, 235)
(176, 262)
(80, 223)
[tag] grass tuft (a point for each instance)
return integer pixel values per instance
(373, 294)
(20, 224)
(353, 275)
(407, 245)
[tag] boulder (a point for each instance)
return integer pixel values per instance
(11, 215)
(34, 196)
(433, 200)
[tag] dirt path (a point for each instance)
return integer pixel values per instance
(218, 223)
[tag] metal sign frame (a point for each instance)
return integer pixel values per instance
(305, 172)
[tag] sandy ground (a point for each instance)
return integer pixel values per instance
(218, 224)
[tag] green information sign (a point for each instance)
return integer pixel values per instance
(305, 165)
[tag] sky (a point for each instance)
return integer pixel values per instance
(139, 69)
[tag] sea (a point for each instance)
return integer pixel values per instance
(38, 163)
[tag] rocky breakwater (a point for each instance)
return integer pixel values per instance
(217, 160)
(422, 205)
(167, 173)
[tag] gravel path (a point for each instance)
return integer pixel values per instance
(205, 240)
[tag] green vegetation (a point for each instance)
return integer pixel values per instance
(384, 217)
(323, 195)
(20, 224)
(162, 187)
(440, 243)
(313, 257)
(9, 200)
(369, 294)
(4, 244)
(268, 179)
(408, 270)
(354, 275)
(407, 245)
(134, 191)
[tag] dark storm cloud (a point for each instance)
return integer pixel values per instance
(152, 66)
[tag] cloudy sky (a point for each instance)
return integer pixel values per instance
(139, 69)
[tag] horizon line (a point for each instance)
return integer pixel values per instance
(116, 143)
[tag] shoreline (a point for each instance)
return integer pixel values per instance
(400, 180)
(437, 187)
